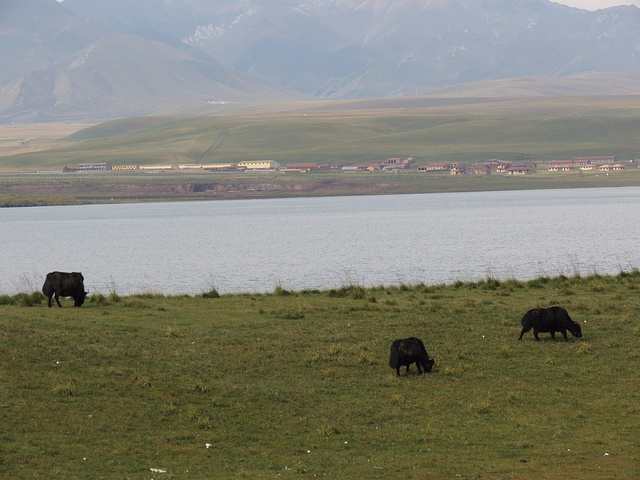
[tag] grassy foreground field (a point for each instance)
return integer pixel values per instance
(289, 384)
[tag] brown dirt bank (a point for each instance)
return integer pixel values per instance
(222, 190)
(90, 192)
(20, 190)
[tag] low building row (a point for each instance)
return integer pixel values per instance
(246, 165)
(390, 164)
(606, 163)
(567, 167)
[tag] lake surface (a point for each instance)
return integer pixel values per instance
(255, 245)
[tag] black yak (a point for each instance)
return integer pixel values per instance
(63, 284)
(407, 351)
(552, 320)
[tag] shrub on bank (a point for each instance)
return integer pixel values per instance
(23, 299)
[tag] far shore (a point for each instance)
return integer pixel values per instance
(18, 190)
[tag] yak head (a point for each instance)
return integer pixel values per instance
(77, 302)
(574, 328)
(428, 364)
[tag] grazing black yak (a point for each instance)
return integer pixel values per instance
(552, 320)
(407, 351)
(63, 284)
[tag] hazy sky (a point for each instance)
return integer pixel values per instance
(586, 4)
(596, 4)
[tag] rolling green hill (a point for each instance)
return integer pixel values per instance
(590, 83)
(461, 130)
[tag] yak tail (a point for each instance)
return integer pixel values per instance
(529, 316)
(47, 288)
(393, 359)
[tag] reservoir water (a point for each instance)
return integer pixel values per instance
(255, 245)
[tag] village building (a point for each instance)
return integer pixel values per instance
(124, 167)
(395, 164)
(398, 161)
(566, 167)
(586, 160)
(521, 169)
(481, 169)
(495, 164)
(259, 164)
(395, 167)
(502, 168)
(189, 166)
(304, 167)
(209, 166)
(611, 168)
(160, 168)
(439, 166)
(212, 167)
(363, 167)
(436, 167)
(516, 168)
(579, 161)
(93, 167)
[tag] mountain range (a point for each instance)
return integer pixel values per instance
(100, 59)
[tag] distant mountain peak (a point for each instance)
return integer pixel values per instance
(118, 57)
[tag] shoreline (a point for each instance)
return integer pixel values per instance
(489, 282)
(21, 190)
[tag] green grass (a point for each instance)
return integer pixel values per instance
(297, 383)
(465, 131)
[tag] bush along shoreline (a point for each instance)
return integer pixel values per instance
(354, 291)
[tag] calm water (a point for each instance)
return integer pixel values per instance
(255, 245)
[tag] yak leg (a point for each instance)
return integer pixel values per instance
(553, 335)
(564, 334)
(398, 371)
(535, 334)
(524, 330)
(57, 297)
(419, 369)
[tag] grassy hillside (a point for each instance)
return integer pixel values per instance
(590, 83)
(293, 383)
(459, 130)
